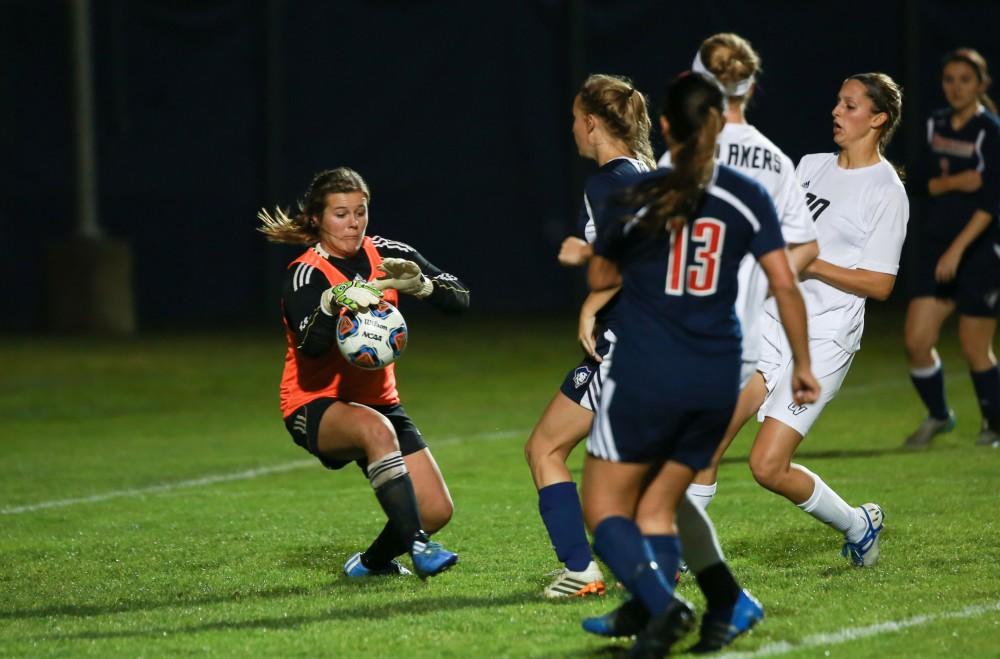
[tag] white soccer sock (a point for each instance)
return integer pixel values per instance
(389, 466)
(702, 495)
(697, 536)
(927, 371)
(827, 506)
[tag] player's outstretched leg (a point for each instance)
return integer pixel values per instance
(562, 426)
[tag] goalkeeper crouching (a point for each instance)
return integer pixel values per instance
(340, 413)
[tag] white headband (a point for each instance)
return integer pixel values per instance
(740, 88)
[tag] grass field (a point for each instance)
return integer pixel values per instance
(151, 503)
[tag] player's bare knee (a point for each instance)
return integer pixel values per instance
(766, 471)
(379, 437)
(437, 515)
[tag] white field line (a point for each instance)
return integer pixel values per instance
(224, 478)
(848, 634)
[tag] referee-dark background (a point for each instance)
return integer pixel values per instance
(457, 114)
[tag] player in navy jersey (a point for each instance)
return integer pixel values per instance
(610, 126)
(674, 243)
(340, 413)
(956, 264)
(733, 62)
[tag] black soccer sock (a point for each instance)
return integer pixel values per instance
(719, 585)
(929, 383)
(386, 547)
(987, 386)
(394, 491)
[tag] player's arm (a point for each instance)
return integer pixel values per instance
(792, 310)
(409, 272)
(875, 273)
(595, 301)
(800, 255)
(968, 181)
(603, 274)
(861, 282)
(947, 265)
(314, 329)
(312, 307)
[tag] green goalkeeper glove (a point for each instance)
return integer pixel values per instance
(405, 277)
(354, 295)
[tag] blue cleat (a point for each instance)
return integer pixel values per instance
(430, 558)
(720, 627)
(627, 620)
(865, 552)
(354, 568)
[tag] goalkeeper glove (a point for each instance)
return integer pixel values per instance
(405, 277)
(354, 295)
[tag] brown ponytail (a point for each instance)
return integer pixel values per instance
(622, 108)
(694, 109)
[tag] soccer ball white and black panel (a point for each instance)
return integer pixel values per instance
(372, 339)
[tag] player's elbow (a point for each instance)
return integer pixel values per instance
(882, 291)
(880, 286)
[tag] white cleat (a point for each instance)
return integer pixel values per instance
(865, 552)
(576, 584)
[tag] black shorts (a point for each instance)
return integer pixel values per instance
(303, 426)
(976, 286)
(583, 384)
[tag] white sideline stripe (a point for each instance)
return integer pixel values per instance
(220, 478)
(854, 633)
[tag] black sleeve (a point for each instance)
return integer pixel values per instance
(449, 293)
(314, 329)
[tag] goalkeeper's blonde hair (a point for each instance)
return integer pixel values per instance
(304, 227)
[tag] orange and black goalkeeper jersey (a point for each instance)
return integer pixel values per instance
(314, 367)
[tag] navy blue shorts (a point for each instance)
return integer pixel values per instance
(583, 384)
(628, 428)
(303, 426)
(976, 285)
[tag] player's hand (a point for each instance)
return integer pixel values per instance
(354, 295)
(805, 386)
(947, 265)
(585, 334)
(404, 276)
(575, 252)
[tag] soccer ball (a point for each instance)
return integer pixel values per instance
(372, 339)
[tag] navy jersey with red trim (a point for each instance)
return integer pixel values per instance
(315, 331)
(679, 330)
(598, 187)
(975, 146)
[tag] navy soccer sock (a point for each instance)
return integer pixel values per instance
(559, 506)
(930, 385)
(987, 385)
(666, 551)
(619, 543)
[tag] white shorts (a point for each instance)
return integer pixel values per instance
(830, 364)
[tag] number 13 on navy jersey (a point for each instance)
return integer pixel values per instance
(693, 260)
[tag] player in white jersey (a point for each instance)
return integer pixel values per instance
(860, 208)
(733, 62)
(610, 126)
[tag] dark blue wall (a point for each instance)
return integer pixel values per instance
(457, 113)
